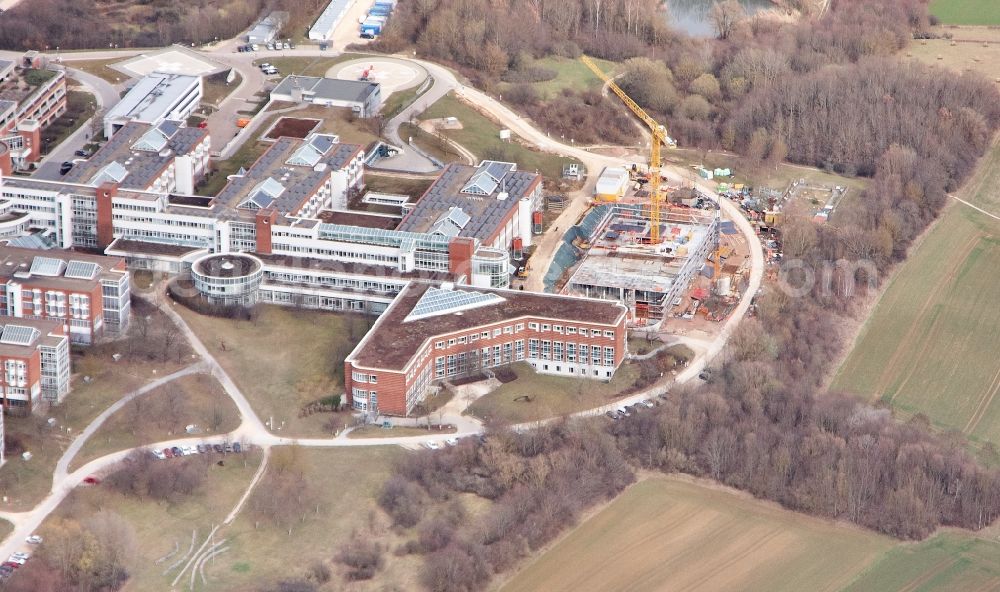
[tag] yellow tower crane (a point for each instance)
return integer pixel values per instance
(659, 136)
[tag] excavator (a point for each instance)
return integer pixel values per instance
(659, 136)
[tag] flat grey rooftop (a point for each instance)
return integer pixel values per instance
(138, 151)
(474, 190)
(287, 174)
(152, 96)
(331, 89)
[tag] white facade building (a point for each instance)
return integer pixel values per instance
(157, 97)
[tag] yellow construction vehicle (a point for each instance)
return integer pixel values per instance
(659, 136)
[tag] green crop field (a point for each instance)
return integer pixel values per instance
(946, 562)
(671, 534)
(967, 12)
(930, 344)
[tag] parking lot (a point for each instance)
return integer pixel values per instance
(178, 451)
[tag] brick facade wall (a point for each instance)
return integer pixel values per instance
(391, 386)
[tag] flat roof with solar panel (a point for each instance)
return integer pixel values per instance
(64, 270)
(481, 199)
(19, 335)
(47, 266)
(81, 270)
(438, 301)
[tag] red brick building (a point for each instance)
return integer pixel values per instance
(89, 294)
(34, 363)
(430, 334)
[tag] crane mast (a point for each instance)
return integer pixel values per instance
(659, 136)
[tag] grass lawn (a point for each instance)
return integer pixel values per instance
(641, 345)
(387, 183)
(216, 89)
(430, 143)
(399, 100)
(80, 106)
(481, 136)
(929, 345)
(961, 57)
(552, 396)
(667, 533)
(162, 414)
(283, 360)
(571, 74)
(306, 66)
(99, 68)
(27, 482)
(160, 526)
(349, 480)
(948, 561)
(967, 12)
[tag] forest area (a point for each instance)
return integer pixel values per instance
(94, 24)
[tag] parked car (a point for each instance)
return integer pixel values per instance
(83, 153)
(451, 441)
(159, 454)
(270, 46)
(92, 480)
(6, 570)
(10, 566)
(648, 404)
(263, 65)
(21, 555)
(34, 540)
(16, 560)
(168, 453)
(254, 47)
(202, 449)
(189, 450)
(227, 447)
(432, 445)
(237, 447)
(65, 168)
(623, 412)
(217, 448)
(290, 45)
(177, 451)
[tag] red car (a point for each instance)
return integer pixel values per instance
(168, 453)
(92, 480)
(202, 124)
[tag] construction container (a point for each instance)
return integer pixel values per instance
(536, 222)
(723, 285)
(379, 11)
(612, 184)
(372, 27)
(518, 248)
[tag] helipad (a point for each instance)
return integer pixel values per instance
(393, 75)
(172, 60)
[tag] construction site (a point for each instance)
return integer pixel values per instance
(621, 263)
(661, 250)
